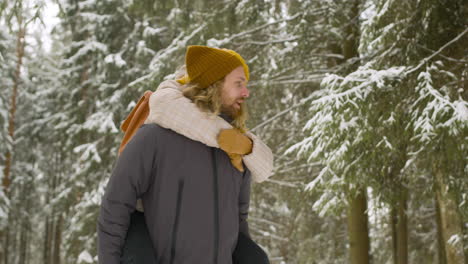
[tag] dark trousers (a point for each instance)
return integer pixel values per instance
(248, 252)
(138, 248)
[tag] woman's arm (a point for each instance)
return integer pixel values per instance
(171, 109)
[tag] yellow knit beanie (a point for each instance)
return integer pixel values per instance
(206, 65)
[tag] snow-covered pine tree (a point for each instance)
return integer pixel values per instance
(16, 18)
(381, 125)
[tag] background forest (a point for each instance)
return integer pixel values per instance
(363, 102)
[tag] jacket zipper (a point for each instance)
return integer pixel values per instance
(176, 222)
(216, 208)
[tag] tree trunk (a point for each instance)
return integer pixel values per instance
(440, 240)
(28, 248)
(5, 247)
(58, 240)
(402, 229)
(51, 240)
(358, 230)
(451, 225)
(23, 243)
(47, 226)
(351, 41)
(394, 220)
(12, 111)
(359, 244)
(6, 181)
(45, 256)
(399, 224)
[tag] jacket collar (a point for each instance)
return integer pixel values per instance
(226, 117)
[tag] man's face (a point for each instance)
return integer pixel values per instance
(234, 92)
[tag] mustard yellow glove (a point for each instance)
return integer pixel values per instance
(235, 144)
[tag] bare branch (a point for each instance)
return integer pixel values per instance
(262, 43)
(425, 60)
(285, 111)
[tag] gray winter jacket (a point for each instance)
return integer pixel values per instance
(195, 201)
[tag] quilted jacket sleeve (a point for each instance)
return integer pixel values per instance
(130, 178)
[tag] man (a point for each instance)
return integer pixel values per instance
(191, 165)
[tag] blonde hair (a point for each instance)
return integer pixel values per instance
(208, 99)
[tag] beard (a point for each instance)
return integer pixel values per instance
(234, 112)
(230, 111)
(239, 116)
